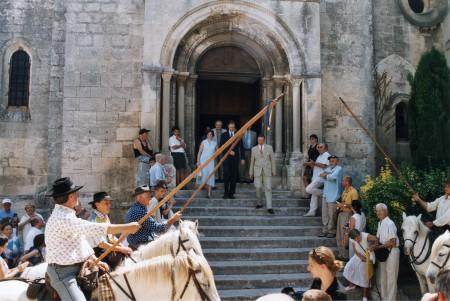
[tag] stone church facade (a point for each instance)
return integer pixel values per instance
(87, 74)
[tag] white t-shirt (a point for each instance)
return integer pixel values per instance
(28, 240)
(442, 207)
(27, 226)
(387, 230)
(173, 141)
(323, 159)
(157, 214)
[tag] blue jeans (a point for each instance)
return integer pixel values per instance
(63, 280)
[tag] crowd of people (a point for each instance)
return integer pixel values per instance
(74, 235)
(250, 160)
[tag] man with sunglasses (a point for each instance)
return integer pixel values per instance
(315, 188)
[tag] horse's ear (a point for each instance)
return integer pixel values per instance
(447, 232)
(404, 215)
(181, 222)
(196, 224)
(419, 217)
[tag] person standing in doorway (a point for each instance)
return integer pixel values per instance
(231, 164)
(218, 130)
(206, 151)
(262, 168)
(313, 153)
(142, 153)
(248, 142)
(178, 150)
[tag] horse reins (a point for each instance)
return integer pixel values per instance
(445, 262)
(415, 259)
(192, 275)
(129, 293)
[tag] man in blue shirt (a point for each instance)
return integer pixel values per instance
(6, 212)
(331, 192)
(150, 227)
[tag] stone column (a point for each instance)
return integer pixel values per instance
(295, 169)
(279, 83)
(181, 81)
(151, 105)
(296, 116)
(165, 127)
(190, 116)
(267, 94)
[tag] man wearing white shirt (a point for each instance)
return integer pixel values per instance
(24, 223)
(36, 229)
(178, 151)
(68, 240)
(387, 272)
(442, 207)
(316, 186)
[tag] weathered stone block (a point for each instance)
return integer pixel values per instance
(116, 104)
(92, 104)
(112, 150)
(129, 119)
(85, 119)
(90, 79)
(104, 118)
(15, 171)
(127, 134)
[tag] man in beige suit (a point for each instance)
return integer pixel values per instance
(262, 168)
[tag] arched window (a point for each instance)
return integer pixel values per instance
(19, 79)
(401, 122)
(417, 6)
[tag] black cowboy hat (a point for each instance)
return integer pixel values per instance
(63, 186)
(142, 131)
(141, 189)
(100, 196)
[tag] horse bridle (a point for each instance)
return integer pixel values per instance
(193, 275)
(440, 267)
(415, 259)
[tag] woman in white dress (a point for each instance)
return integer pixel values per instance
(356, 270)
(357, 221)
(207, 149)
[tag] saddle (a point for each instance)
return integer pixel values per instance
(87, 280)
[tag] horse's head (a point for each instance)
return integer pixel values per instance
(204, 275)
(440, 255)
(189, 236)
(412, 226)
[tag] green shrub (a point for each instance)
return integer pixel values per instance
(429, 111)
(387, 188)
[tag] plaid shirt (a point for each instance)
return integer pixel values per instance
(148, 229)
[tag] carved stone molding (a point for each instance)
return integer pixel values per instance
(434, 12)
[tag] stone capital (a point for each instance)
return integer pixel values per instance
(296, 81)
(167, 76)
(279, 79)
(182, 77)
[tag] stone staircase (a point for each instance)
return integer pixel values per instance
(251, 252)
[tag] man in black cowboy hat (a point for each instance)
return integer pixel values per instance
(68, 239)
(150, 227)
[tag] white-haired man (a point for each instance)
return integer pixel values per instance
(157, 172)
(387, 272)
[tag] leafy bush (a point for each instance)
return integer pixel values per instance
(387, 188)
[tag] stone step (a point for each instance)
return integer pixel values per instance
(243, 202)
(266, 242)
(255, 293)
(222, 254)
(240, 194)
(252, 281)
(259, 231)
(253, 220)
(258, 267)
(239, 211)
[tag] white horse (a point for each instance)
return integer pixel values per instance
(275, 297)
(187, 276)
(418, 248)
(440, 255)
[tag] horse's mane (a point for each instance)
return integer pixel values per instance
(159, 246)
(416, 220)
(438, 243)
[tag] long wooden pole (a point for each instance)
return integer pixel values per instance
(191, 199)
(378, 145)
(239, 133)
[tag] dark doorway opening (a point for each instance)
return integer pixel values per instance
(226, 101)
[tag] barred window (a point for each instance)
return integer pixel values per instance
(19, 79)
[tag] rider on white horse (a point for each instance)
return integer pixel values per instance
(68, 240)
(442, 207)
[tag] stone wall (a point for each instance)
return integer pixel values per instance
(347, 71)
(28, 24)
(102, 92)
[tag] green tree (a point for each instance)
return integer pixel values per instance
(429, 111)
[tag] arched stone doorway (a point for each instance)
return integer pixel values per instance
(286, 61)
(228, 88)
